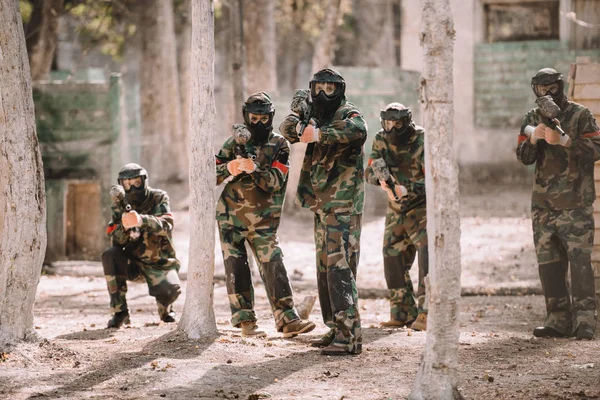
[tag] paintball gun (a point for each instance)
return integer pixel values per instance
(302, 105)
(117, 194)
(548, 110)
(383, 174)
(242, 135)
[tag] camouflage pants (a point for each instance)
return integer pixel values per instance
(405, 234)
(265, 245)
(163, 284)
(564, 237)
(337, 239)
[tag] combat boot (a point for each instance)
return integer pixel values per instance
(341, 350)
(118, 319)
(546, 331)
(166, 313)
(297, 327)
(324, 340)
(420, 323)
(249, 329)
(584, 332)
(394, 323)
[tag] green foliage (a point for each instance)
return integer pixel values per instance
(26, 9)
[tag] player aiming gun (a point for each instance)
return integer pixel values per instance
(117, 194)
(383, 175)
(242, 135)
(302, 106)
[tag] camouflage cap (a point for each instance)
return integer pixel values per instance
(546, 76)
(258, 103)
(132, 170)
(328, 75)
(395, 112)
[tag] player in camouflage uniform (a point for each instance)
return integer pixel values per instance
(332, 186)
(400, 144)
(141, 245)
(563, 194)
(249, 209)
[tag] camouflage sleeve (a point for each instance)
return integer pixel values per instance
(115, 230)
(526, 152)
(273, 178)
(587, 143)
(225, 155)
(288, 128)
(352, 127)
(376, 152)
(160, 222)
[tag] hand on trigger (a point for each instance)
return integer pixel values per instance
(538, 133)
(552, 136)
(311, 134)
(131, 219)
(247, 165)
(233, 166)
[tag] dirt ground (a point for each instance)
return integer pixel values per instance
(76, 358)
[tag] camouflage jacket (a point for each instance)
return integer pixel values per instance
(564, 177)
(154, 247)
(332, 175)
(406, 163)
(256, 199)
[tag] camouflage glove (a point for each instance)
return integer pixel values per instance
(233, 166)
(311, 134)
(131, 219)
(247, 165)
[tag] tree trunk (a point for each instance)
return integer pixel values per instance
(437, 375)
(375, 33)
(184, 55)
(260, 40)
(163, 149)
(237, 53)
(324, 47)
(22, 195)
(42, 36)
(198, 319)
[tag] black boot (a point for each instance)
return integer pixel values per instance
(119, 319)
(166, 313)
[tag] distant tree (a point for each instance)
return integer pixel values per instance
(183, 29)
(437, 374)
(198, 319)
(22, 195)
(324, 47)
(374, 33)
(237, 51)
(42, 36)
(164, 153)
(259, 38)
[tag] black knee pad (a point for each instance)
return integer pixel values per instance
(165, 292)
(114, 261)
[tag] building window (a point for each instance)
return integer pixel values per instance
(508, 21)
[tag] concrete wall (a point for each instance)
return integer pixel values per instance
(79, 127)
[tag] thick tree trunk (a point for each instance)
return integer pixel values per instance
(42, 36)
(198, 319)
(437, 375)
(22, 195)
(163, 148)
(237, 53)
(375, 33)
(324, 47)
(259, 37)
(184, 54)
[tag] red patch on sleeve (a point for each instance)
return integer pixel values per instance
(354, 114)
(219, 161)
(370, 161)
(591, 134)
(522, 138)
(167, 215)
(110, 229)
(282, 167)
